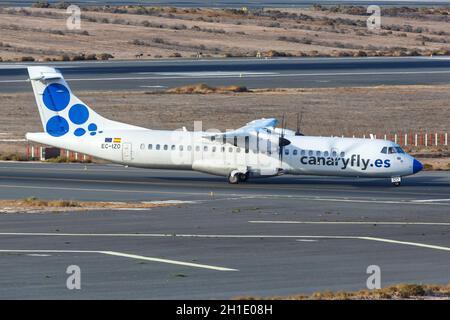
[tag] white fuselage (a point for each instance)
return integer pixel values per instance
(185, 150)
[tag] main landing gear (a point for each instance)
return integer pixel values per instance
(396, 181)
(236, 177)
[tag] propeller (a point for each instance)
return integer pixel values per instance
(282, 142)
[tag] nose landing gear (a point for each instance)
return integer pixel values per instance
(396, 181)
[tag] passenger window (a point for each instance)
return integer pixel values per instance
(142, 146)
(303, 152)
(213, 149)
(334, 154)
(230, 149)
(318, 153)
(238, 150)
(384, 150)
(158, 147)
(197, 148)
(392, 150)
(150, 147)
(310, 153)
(173, 147)
(342, 154)
(286, 152)
(326, 154)
(223, 149)
(165, 147)
(189, 148)
(181, 148)
(294, 152)
(205, 148)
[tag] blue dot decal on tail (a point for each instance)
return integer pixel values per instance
(79, 114)
(56, 97)
(79, 132)
(92, 127)
(57, 126)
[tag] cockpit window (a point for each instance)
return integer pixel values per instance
(399, 150)
(392, 150)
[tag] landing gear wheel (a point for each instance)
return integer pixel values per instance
(233, 178)
(397, 184)
(242, 177)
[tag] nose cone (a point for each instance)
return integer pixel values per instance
(417, 166)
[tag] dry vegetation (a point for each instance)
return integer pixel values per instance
(394, 292)
(152, 32)
(35, 205)
(204, 89)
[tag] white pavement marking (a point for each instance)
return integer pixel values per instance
(351, 222)
(211, 73)
(285, 75)
(181, 263)
(106, 190)
(223, 236)
(170, 202)
(130, 209)
(432, 200)
(416, 244)
(125, 255)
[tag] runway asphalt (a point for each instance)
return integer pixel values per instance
(253, 73)
(275, 236)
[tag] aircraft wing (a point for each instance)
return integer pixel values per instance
(251, 128)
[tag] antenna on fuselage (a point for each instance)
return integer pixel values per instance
(299, 122)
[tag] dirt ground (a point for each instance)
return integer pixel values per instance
(326, 112)
(134, 32)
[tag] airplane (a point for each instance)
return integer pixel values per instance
(258, 149)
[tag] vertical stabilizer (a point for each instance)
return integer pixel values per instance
(61, 112)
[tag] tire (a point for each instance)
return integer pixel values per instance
(233, 179)
(397, 184)
(243, 177)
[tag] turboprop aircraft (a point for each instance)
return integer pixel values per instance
(258, 149)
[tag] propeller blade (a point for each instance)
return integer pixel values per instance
(282, 142)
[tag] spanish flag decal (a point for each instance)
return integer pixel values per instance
(117, 140)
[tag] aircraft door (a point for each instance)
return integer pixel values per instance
(127, 152)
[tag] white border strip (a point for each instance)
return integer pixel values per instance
(221, 236)
(352, 222)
